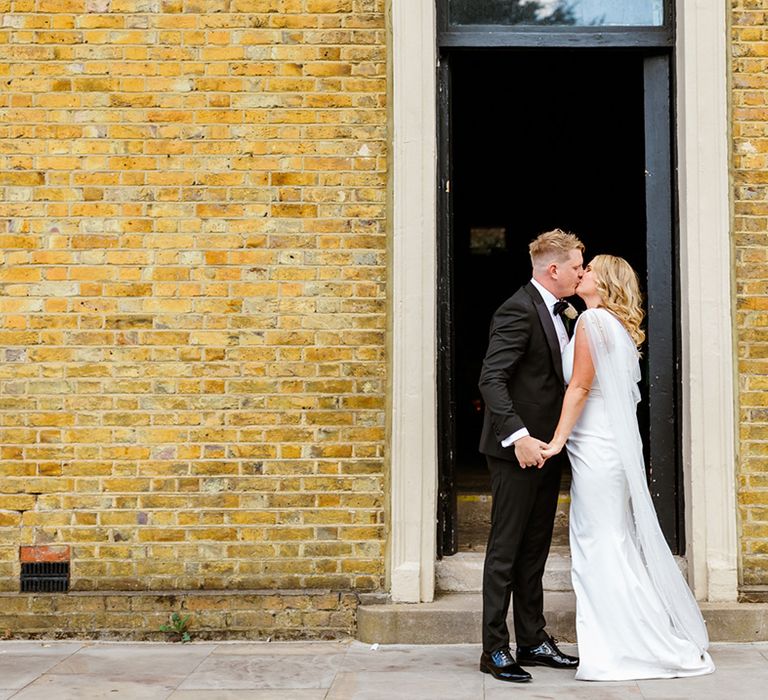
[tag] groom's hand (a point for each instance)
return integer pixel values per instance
(528, 452)
(552, 449)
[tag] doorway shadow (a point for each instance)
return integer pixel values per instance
(539, 140)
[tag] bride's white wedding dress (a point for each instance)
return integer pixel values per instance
(635, 615)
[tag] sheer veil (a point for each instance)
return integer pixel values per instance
(617, 371)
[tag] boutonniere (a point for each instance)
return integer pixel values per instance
(570, 312)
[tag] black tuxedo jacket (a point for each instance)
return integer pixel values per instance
(522, 377)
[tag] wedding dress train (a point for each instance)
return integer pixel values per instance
(635, 615)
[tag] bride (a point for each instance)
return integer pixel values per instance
(635, 616)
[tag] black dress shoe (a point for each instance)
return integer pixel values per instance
(503, 667)
(546, 654)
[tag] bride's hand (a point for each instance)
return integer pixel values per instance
(551, 450)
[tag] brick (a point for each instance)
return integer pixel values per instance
(184, 234)
(750, 105)
(43, 553)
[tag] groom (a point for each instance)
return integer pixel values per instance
(522, 385)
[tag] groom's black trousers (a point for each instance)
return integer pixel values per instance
(522, 519)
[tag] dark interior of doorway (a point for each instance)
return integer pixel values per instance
(540, 139)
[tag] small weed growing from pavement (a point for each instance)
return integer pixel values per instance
(178, 630)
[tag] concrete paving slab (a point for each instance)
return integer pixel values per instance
(38, 648)
(22, 663)
(455, 658)
(389, 685)
(72, 687)
(288, 694)
(561, 683)
(721, 685)
(571, 689)
(264, 671)
(333, 671)
(143, 663)
(283, 648)
(740, 656)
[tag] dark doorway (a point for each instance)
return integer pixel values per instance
(538, 139)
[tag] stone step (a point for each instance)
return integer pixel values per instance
(455, 618)
(452, 618)
(463, 572)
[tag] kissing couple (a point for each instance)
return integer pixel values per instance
(550, 383)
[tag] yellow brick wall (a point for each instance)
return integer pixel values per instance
(749, 50)
(192, 291)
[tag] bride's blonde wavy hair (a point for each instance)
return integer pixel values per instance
(619, 291)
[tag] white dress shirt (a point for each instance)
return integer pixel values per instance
(562, 335)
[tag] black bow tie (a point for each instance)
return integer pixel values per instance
(560, 306)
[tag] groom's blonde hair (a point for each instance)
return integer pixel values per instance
(553, 247)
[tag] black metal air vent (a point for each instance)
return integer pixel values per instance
(45, 577)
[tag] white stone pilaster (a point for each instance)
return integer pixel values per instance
(413, 426)
(709, 408)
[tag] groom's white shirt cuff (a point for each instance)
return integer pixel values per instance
(512, 439)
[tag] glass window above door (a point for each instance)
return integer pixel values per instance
(575, 13)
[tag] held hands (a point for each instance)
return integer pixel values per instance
(529, 452)
(551, 449)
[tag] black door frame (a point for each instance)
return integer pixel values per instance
(665, 474)
(663, 344)
(447, 538)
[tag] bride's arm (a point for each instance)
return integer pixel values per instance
(575, 395)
